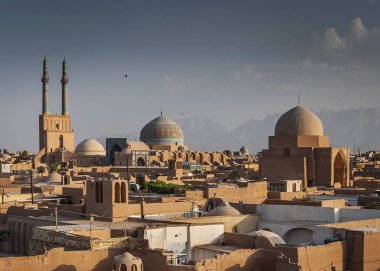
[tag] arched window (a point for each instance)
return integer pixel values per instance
(142, 268)
(141, 162)
(97, 192)
(117, 193)
(25, 239)
(101, 192)
(123, 193)
(123, 267)
(134, 267)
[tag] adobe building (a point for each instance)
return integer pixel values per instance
(299, 150)
(107, 199)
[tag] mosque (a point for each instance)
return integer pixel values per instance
(161, 141)
(299, 150)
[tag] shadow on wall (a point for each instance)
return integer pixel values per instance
(299, 236)
(234, 268)
(106, 263)
(64, 267)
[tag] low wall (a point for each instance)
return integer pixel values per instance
(255, 192)
(336, 203)
(238, 224)
(160, 208)
(321, 257)
(58, 259)
(245, 259)
(286, 195)
(239, 240)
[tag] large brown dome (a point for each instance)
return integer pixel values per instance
(299, 121)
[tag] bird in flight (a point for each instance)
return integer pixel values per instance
(125, 75)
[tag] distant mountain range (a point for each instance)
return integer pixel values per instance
(352, 127)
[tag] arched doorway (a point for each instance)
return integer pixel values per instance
(116, 148)
(141, 162)
(61, 141)
(298, 236)
(340, 169)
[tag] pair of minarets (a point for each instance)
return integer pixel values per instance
(45, 81)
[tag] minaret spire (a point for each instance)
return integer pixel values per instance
(299, 97)
(64, 81)
(45, 80)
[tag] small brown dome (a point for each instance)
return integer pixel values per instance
(225, 210)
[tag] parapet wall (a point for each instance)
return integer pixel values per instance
(59, 259)
(255, 192)
(160, 208)
(245, 259)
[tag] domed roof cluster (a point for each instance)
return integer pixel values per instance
(162, 130)
(90, 147)
(299, 121)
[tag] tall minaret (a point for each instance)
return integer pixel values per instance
(45, 80)
(64, 81)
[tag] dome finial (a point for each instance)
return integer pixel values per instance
(161, 112)
(299, 97)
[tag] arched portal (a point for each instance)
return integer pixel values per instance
(117, 193)
(116, 148)
(123, 193)
(160, 157)
(340, 169)
(212, 160)
(141, 162)
(298, 236)
(25, 238)
(61, 141)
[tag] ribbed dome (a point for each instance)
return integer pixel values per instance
(299, 121)
(244, 150)
(224, 210)
(90, 147)
(162, 130)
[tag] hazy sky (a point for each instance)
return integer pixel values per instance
(227, 60)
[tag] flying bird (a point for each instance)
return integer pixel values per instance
(125, 75)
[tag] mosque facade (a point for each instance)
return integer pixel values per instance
(55, 131)
(161, 144)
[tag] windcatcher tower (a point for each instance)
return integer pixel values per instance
(55, 130)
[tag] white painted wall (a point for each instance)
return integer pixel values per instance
(182, 239)
(294, 213)
(5, 168)
(204, 234)
(282, 218)
(358, 214)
